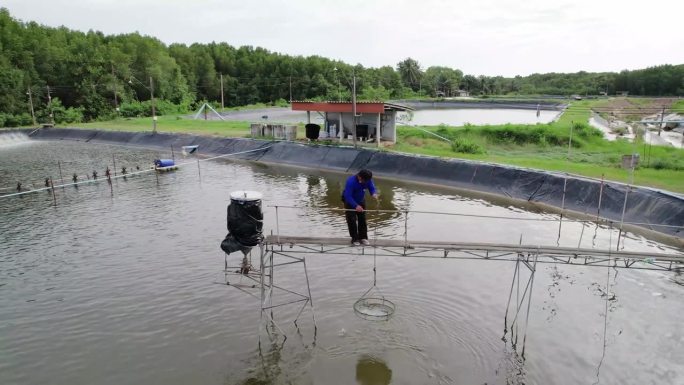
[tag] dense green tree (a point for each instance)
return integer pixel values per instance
(442, 81)
(411, 74)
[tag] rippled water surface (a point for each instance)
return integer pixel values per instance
(115, 285)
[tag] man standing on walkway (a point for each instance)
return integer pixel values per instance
(354, 201)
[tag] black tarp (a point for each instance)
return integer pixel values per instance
(245, 222)
(644, 205)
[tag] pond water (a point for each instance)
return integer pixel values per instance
(427, 117)
(115, 285)
(477, 116)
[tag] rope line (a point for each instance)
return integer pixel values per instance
(129, 174)
(605, 325)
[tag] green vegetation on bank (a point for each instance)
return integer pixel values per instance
(170, 121)
(174, 124)
(548, 147)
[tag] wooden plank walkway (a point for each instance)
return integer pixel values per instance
(471, 250)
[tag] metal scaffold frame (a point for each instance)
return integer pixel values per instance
(525, 256)
(519, 301)
(262, 278)
(480, 251)
(294, 249)
(267, 257)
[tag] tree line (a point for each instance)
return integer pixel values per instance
(73, 76)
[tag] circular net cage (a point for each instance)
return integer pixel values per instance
(374, 308)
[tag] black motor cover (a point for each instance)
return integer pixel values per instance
(245, 225)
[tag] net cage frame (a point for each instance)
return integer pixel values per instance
(363, 304)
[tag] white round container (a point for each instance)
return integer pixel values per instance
(246, 196)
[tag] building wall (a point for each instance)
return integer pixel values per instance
(388, 120)
(389, 127)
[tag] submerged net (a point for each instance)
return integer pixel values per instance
(373, 305)
(374, 308)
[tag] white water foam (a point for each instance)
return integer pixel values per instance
(13, 138)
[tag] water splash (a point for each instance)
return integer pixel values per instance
(13, 138)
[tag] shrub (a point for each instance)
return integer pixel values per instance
(134, 109)
(25, 119)
(443, 130)
(586, 131)
(466, 146)
(9, 120)
(543, 142)
(541, 134)
(662, 164)
(69, 115)
(165, 107)
(281, 103)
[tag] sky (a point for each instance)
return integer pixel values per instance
(485, 37)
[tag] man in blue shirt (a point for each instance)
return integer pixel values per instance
(354, 201)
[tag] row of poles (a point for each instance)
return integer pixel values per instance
(49, 183)
(75, 177)
(109, 174)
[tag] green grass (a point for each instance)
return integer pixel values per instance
(181, 123)
(172, 123)
(586, 163)
(678, 105)
(545, 146)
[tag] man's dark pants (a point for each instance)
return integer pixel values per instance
(359, 232)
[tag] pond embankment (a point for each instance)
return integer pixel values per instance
(649, 209)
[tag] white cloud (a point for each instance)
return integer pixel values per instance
(479, 37)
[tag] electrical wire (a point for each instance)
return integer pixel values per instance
(601, 219)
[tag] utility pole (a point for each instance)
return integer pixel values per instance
(662, 118)
(52, 115)
(222, 104)
(33, 113)
(354, 107)
(290, 89)
(116, 101)
(154, 112)
(572, 123)
(339, 98)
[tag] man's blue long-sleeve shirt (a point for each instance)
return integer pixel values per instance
(354, 190)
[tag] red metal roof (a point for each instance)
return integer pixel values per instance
(344, 106)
